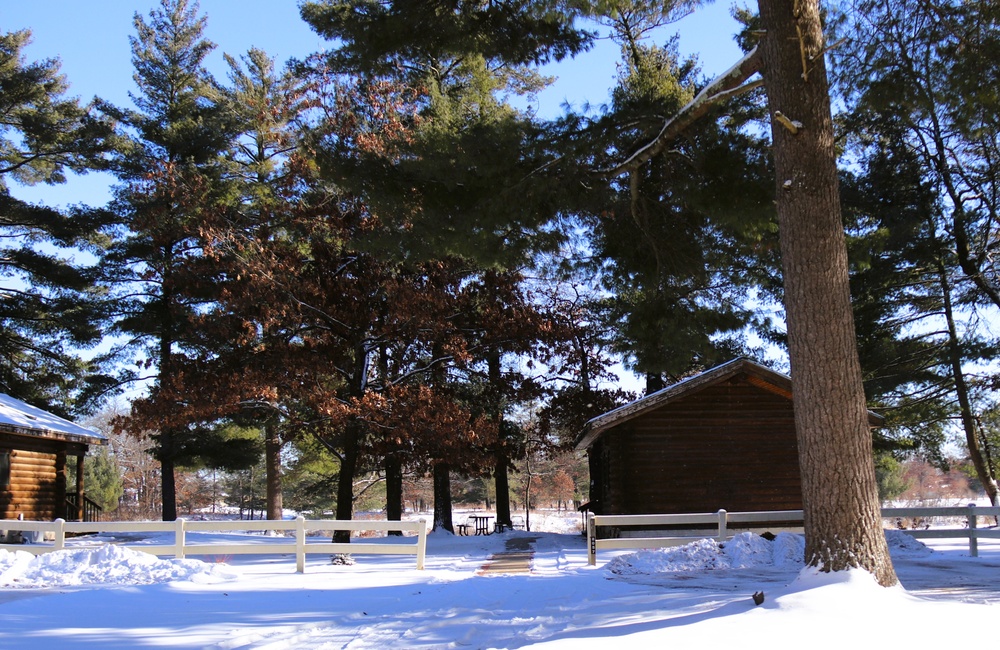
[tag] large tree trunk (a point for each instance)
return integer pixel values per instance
(168, 484)
(442, 498)
(272, 467)
(394, 491)
(351, 452)
(166, 441)
(842, 512)
(503, 490)
(345, 480)
(502, 465)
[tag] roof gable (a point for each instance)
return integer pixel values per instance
(750, 371)
(21, 418)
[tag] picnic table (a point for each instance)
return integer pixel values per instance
(482, 524)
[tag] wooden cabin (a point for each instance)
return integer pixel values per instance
(721, 439)
(34, 445)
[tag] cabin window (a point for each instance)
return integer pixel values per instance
(4, 469)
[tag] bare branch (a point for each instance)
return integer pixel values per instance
(729, 84)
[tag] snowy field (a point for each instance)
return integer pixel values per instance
(697, 596)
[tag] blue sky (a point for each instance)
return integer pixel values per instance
(92, 41)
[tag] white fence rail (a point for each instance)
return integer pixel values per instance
(181, 548)
(970, 513)
(685, 528)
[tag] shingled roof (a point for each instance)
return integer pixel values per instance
(749, 370)
(22, 419)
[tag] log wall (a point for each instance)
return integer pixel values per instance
(37, 485)
(730, 445)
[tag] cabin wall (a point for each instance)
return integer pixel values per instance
(36, 487)
(731, 446)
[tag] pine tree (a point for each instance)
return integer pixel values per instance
(914, 82)
(679, 245)
(460, 182)
(50, 308)
(170, 178)
(890, 212)
(103, 481)
(268, 104)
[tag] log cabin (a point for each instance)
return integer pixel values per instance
(34, 445)
(723, 439)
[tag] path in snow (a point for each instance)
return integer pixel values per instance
(516, 558)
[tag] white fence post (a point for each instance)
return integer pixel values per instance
(973, 538)
(60, 535)
(300, 544)
(421, 544)
(723, 525)
(591, 540)
(179, 538)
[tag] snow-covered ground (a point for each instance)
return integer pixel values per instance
(698, 596)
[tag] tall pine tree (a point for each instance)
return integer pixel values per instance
(678, 246)
(170, 175)
(49, 307)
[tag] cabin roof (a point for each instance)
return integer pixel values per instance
(22, 419)
(749, 370)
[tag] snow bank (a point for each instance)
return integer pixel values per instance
(744, 551)
(119, 565)
(903, 545)
(104, 565)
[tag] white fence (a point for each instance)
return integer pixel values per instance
(970, 514)
(181, 548)
(685, 528)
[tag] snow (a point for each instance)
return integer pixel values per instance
(744, 551)
(18, 414)
(107, 564)
(694, 596)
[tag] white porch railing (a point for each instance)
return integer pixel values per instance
(689, 527)
(181, 548)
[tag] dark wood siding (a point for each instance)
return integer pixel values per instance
(730, 445)
(37, 486)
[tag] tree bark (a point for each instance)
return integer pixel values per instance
(442, 498)
(503, 490)
(167, 453)
(502, 465)
(842, 512)
(272, 466)
(345, 480)
(353, 432)
(168, 483)
(394, 491)
(969, 424)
